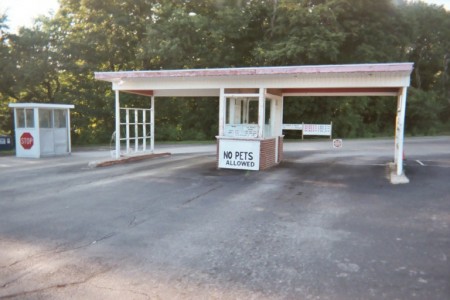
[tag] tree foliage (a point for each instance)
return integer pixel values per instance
(54, 61)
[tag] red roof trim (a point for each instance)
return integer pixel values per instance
(339, 90)
(140, 92)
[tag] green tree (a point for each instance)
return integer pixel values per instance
(302, 32)
(6, 78)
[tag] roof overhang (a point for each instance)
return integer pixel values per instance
(328, 80)
(41, 105)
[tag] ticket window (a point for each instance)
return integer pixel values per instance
(242, 115)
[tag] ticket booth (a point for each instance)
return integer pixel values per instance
(41, 129)
(250, 129)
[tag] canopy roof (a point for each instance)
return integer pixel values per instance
(352, 79)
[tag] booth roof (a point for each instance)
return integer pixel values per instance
(41, 105)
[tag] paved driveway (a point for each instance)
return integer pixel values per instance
(325, 224)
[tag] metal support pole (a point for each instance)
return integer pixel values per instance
(281, 112)
(232, 111)
(152, 125)
(144, 131)
(69, 138)
(136, 131)
(400, 127)
(261, 112)
(222, 112)
(117, 103)
(127, 129)
(331, 130)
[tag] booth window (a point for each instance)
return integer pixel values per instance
(25, 118)
(45, 118)
(60, 118)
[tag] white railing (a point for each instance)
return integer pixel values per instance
(137, 128)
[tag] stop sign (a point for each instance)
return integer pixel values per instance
(26, 140)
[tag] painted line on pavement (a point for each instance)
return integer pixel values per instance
(420, 163)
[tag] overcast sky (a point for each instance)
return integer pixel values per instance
(22, 12)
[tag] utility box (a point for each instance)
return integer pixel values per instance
(6, 143)
(42, 129)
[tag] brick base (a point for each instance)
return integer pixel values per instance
(268, 153)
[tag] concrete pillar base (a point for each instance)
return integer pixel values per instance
(394, 178)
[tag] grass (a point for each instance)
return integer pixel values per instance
(7, 152)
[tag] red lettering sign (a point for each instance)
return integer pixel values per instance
(26, 141)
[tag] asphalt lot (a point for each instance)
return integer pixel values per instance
(325, 224)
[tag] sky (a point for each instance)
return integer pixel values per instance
(22, 12)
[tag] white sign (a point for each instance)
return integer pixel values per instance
(317, 129)
(337, 143)
(241, 130)
(241, 155)
(292, 126)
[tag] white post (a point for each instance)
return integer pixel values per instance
(144, 131)
(273, 118)
(238, 112)
(331, 130)
(261, 112)
(69, 138)
(127, 129)
(400, 128)
(117, 125)
(136, 131)
(281, 112)
(37, 126)
(222, 112)
(152, 125)
(232, 111)
(244, 111)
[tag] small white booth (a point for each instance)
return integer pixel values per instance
(250, 132)
(42, 129)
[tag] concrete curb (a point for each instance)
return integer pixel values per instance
(127, 159)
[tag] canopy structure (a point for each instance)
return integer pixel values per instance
(243, 85)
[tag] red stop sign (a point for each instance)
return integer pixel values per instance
(26, 140)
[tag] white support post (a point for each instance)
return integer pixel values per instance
(237, 111)
(247, 112)
(400, 127)
(244, 111)
(127, 129)
(273, 117)
(144, 131)
(331, 130)
(232, 110)
(261, 112)
(303, 130)
(117, 103)
(69, 138)
(222, 112)
(152, 125)
(281, 114)
(136, 131)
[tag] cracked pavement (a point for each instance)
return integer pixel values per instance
(325, 224)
